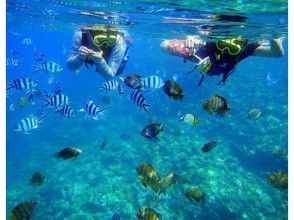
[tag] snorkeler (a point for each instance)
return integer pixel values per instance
(220, 57)
(104, 47)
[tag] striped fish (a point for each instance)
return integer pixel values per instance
(93, 111)
(22, 84)
(112, 85)
(27, 124)
(56, 100)
(139, 100)
(152, 82)
(47, 67)
(66, 111)
(27, 41)
(12, 61)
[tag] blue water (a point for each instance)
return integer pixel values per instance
(100, 182)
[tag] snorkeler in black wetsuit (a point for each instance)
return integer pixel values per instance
(220, 57)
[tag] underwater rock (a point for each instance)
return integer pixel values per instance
(194, 194)
(23, 211)
(37, 179)
(216, 104)
(146, 213)
(254, 114)
(279, 180)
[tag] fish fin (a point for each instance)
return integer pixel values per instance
(77, 72)
(144, 184)
(146, 107)
(121, 78)
(57, 89)
(175, 77)
(201, 80)
(81, 110)
(47, 102)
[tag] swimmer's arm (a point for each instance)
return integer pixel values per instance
(73, 60)
(274, 49)
(110, 69)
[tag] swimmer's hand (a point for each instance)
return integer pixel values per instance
(193, 42)
(86, 53)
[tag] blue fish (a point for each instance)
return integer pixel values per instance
(22, 84)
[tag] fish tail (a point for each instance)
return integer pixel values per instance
(37, 67)
(120, 90)
(47, 102)
(101, 89)
(146, 107)
(9, 86)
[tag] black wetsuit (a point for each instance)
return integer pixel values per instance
(222, 62)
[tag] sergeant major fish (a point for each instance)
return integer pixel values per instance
(56, 100)
(47, 67)
(27, 124)
(152, 82)
(22, 84)
(112, 85)
(66, 111)
(27, 41)
(12, 61)
(139, 100)
(93, 111)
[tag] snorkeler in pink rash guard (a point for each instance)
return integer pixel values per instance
(221, 57)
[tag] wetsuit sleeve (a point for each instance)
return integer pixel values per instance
(248, 50)
(115, 60)
(73, 61)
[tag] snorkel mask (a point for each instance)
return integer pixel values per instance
(203, 65)
(231, 46)
(104, 36)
